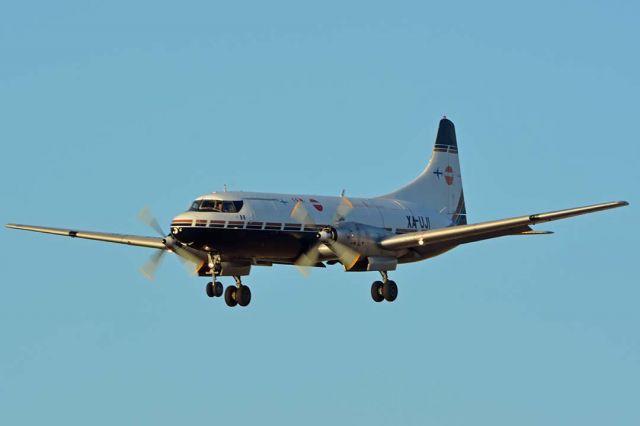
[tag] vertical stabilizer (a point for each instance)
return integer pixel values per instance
(439, 186)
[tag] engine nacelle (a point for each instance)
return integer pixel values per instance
(361, 238)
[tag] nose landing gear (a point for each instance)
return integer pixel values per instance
(214, 289)
(384, 290)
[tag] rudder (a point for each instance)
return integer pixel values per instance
(440, 183)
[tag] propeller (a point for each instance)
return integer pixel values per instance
(151, 266)
(147, 217)
(327, 236)
(172, 245)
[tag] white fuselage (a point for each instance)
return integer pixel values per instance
(273, 212)
(264, 230)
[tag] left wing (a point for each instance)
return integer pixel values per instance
(132, 240)
(462, 234)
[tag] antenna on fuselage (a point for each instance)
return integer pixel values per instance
(225, 187)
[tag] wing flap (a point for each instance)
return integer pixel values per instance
(132, 240)
(481, 231)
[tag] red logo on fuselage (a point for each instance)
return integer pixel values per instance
(448, 175)
(316, 204)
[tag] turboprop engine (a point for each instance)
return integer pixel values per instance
(359, 242)
(358, 237)
(354, 244)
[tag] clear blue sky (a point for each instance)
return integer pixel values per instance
(110, 106)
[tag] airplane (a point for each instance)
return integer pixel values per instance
(227, 233)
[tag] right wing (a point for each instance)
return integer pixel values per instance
(132, 240)
(462, 234)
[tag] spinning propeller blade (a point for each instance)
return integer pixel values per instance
(307, 260)
(147, 217)
(186, 255)
(150, 267)
(342, 210)
(346, 255)
(188, 260)
(301, 214)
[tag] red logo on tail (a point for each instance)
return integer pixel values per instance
(448, 175)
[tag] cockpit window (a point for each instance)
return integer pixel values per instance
(231, 206)
(218, 206)
(210, 206)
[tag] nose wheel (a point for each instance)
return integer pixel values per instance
(384, 290)
(214, 289)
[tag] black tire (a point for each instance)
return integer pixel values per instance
(243, 295)
(390, 291)
(210, 290)
(230, 296)
(376, 291)
(218, 289)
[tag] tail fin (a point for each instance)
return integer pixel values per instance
(440, 184)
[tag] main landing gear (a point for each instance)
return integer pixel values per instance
(239, 294)
(384, 290)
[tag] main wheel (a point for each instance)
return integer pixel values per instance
(210, 290)
(390, 291)
(218, 289)
(376, 291)
(243, 295)
(230, 296)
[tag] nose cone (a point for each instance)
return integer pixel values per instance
(181, 223)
